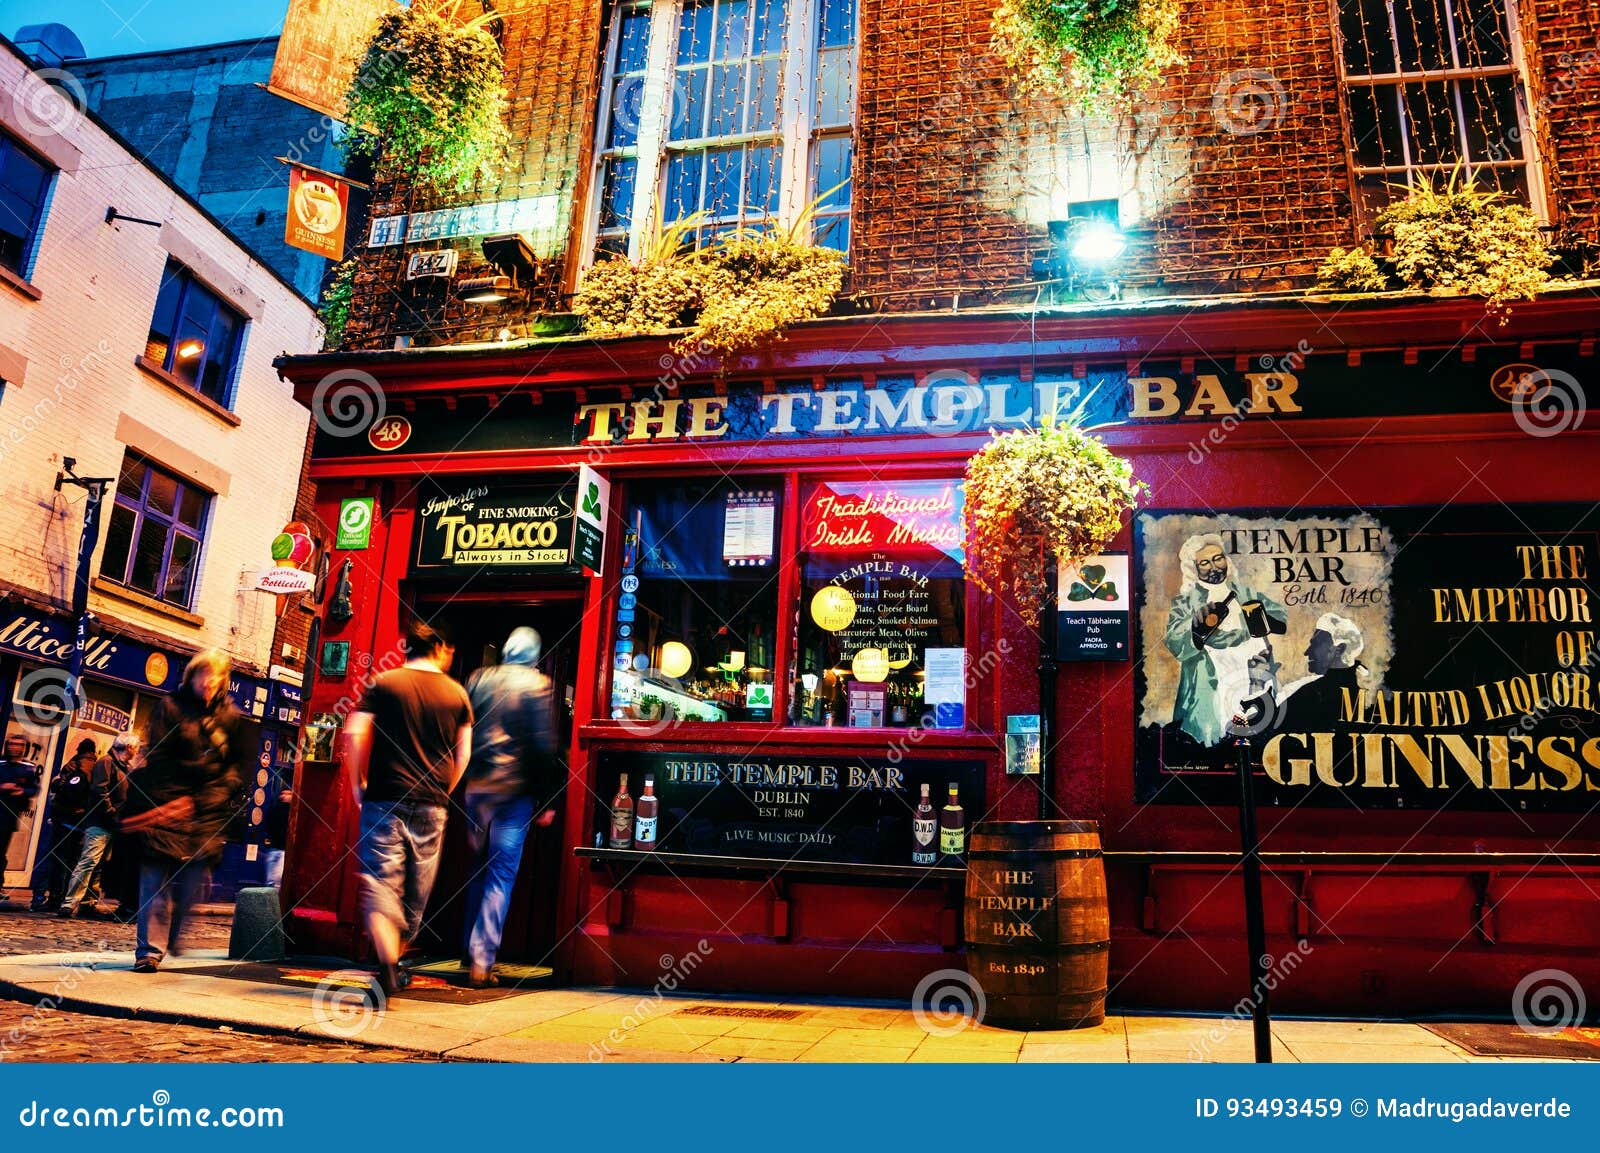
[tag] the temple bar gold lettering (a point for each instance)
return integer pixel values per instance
(947, 401)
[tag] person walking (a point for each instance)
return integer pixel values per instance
(408, 742)
(67, 804)
(108, 792)
(277, 831)
(513, 775)
(19, 784)
(181, 802)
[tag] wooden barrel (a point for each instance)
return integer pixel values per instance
(1037, 927)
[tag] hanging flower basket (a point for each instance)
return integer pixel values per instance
(1037, 495)
(428, 99)
(1102, 52)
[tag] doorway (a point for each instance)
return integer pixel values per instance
(479, 623)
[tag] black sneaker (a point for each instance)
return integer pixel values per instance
(67, 912)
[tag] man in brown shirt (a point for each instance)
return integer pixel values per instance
(409, 742)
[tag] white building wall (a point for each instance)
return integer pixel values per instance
(80, 393)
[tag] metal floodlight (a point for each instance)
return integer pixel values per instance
(485, 289)
(1092, 233)
(512, 255)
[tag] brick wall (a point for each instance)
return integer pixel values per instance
(80, 394)
(1566, 95)
(1232, 176)
(552, 49)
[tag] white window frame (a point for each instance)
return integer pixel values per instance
(795, 134)
(1407, 171)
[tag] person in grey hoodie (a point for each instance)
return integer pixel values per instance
(513, 780)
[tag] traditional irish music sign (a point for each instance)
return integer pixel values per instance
(1387, 657)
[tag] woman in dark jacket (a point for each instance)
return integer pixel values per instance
(181, 801)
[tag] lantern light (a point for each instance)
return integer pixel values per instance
(676, 659)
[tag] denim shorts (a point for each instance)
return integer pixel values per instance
(399, 855)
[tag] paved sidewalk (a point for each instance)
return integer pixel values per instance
(620, 1025)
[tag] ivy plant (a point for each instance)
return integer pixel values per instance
(428, 98)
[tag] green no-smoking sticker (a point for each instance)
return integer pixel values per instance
(355, 523)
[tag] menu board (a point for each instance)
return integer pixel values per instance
(749, 528)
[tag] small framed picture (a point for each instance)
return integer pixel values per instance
(335, 660)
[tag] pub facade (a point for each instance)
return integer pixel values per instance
(749, 575)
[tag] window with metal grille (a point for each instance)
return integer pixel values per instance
(1433, 86)
(739, 110)
(158, 524)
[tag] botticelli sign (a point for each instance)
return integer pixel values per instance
(1392, 657)
(470, 524)
(844, 808)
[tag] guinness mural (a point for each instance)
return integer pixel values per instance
(1391, 657)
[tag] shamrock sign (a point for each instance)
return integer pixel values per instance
(1093, 586)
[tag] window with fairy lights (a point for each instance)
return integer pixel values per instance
(1433, 86)
(739, 110)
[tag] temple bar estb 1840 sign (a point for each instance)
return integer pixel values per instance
(1384, 657)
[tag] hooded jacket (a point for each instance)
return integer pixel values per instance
(195, 750)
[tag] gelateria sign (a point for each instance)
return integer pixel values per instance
(469, 524)
(1391, 657)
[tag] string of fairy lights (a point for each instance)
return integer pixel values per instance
(1432, 86)
(734, 112)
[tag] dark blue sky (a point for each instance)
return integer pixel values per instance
(116, 27)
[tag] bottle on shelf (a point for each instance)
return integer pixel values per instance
(924, 832)
(621, 836)
(953, 829)
(644, 820)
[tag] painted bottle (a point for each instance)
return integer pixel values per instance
(924, 832)
(953, 830)
(622, 817)
(644, 821)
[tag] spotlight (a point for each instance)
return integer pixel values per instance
(485, 289)
(1096, 242)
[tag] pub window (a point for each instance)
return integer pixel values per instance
(740, 110)
(881, 637)
(24, 187)
(1432, 86)
(158, 524)
(698, 610)
(194, 335)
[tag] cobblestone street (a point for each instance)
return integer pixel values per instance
(43, 1033)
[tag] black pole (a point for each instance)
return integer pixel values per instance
(1049, 624)
(1255, 925)
(95, 488)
